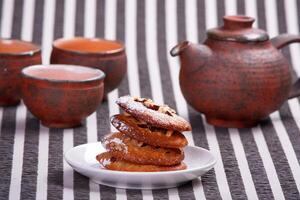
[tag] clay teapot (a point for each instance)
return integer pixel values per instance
(238, 76)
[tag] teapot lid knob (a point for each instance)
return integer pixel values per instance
(235, 22)
(238, 28)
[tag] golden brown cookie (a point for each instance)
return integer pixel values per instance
(125, 148)
(141, 131)
(108, 161)
(153, 114)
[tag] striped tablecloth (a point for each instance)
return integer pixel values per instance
(257, 163)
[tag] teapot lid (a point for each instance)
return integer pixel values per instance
(238, 28)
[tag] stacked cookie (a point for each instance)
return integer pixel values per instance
(149, 138)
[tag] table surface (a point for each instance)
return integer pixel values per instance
(257, 163)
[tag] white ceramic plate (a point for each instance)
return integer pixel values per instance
(82, 159)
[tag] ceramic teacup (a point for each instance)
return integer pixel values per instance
(106, 55)
(14, 56)
(62, 96)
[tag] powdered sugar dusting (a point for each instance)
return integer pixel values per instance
(119, 144)
(105, 142)
(106, 162)
(117, 141)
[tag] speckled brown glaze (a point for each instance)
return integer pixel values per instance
(147, 134)
(131, 150)
(14, 56)
(112, 60)
(61, 103)
(108, 161)
(238, 76)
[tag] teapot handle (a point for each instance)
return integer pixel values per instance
(281, 41)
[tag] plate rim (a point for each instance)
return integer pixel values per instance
(105, 171)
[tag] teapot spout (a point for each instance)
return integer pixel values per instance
(179, 48)
(192, 56)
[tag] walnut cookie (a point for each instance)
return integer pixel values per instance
(141, 131)
(125, 148)
(153, 114)
(108, 161)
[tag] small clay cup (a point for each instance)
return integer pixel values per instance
(106, 55)
(14, 56)
(61, 96)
